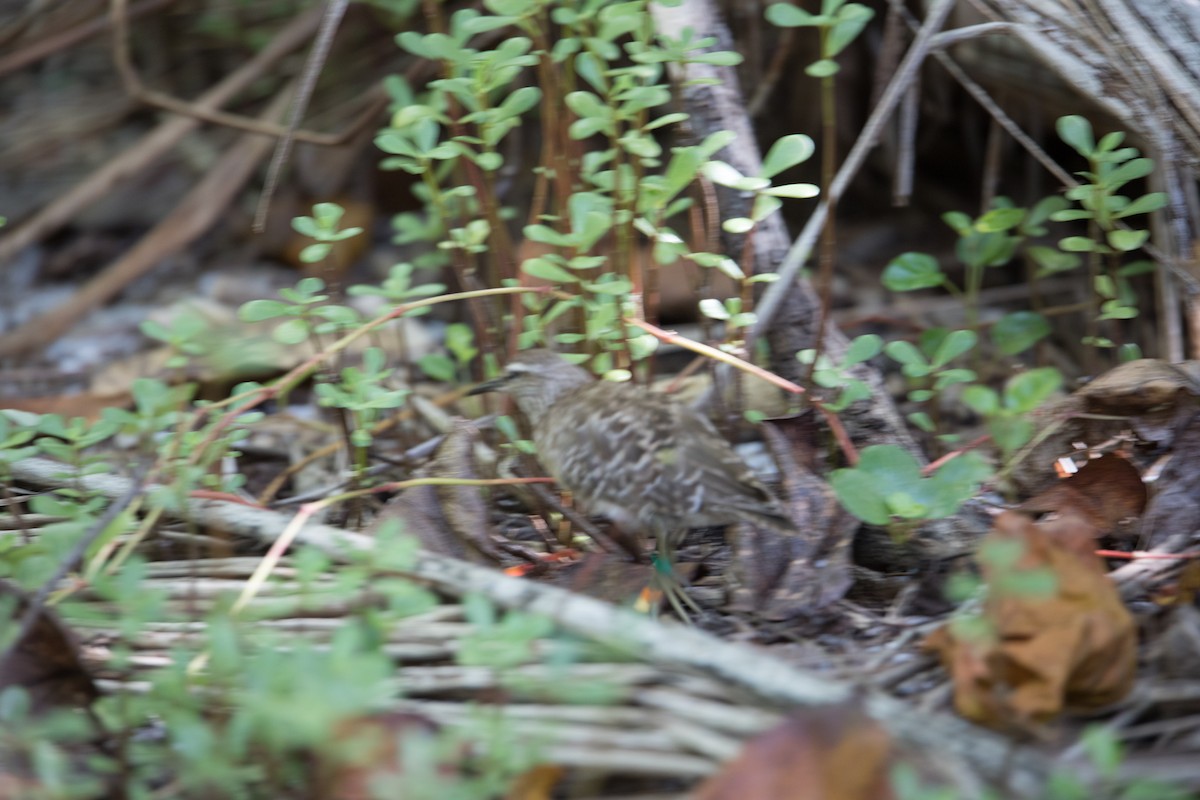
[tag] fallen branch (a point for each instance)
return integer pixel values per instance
(1021, 770)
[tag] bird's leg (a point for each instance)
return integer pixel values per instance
(672, 586)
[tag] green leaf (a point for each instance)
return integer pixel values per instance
(1077, 244)
(1133, 268)
(912, 271)
(982, 400)
(905, 353)
(721, 173)
(921, 419)
(954, 345)
(1025, 391)
(950, 377)
(764, 206)
(315, 252)
(959, 222)
(666, 119)
(640, 145)
(824, 68)
(725, 175)
(1115, 309)
(1129, 171)
(1010, 433)
(725, 264)
(713, 309)
(1071, 214)
(955, 482)
(1110, 141)
(799, 191)
(306, 226)
(905, 506)
(851, 19)
(1051, 260)
(1017, 332)
(521, 100)
(1143, 205)
(787, 152)
(718, 58)
(863, 348)
(489, 162)
(485, 23)
(292, 331)
(586, 104)
(543, 269)
(547, 235)
(1000, 219)
(259, 310)
(438, 367)
(618, 285)
(643, 97)
(893, 467)
(714, 142)
(1125, 241)
(786, 15)
(856, 491)
(1077, 132)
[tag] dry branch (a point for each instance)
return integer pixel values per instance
(773, 681)
(155, 144)
(194, 215)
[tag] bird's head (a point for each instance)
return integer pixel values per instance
(536, 379)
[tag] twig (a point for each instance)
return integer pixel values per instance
(132, 81)
(133, 490)
(334, 10)
(194, 215)
(835, 423)
(802, 246)
(151, 147)
(63, 40)
(1021, 769)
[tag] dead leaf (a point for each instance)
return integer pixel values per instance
(830, 753)
(1105, 490)
(451, 520)
(1038, 654)
(537, 783)
(369, 752)
(1153, 397)
(46, 661)
(785, 574)
(606, 576)
(1139, 387)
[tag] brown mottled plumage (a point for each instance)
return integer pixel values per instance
(634, 455)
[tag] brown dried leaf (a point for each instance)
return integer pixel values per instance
(1153, 396)
(606, 576)
(1104, 491)
(784, 574)
(46, 661)
(830, 753)
(452, 520)
(537, 783)
(1142, 386)
(1040, 654)
(368, 752)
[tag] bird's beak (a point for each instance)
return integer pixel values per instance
(495, 384)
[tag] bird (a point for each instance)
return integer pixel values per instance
(648, 463)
